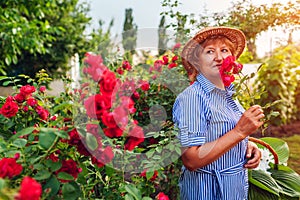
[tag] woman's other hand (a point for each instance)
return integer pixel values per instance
(253, 156)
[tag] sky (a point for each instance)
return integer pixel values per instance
(146, 17)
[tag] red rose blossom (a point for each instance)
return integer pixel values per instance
(95, 105)
(30, 189)
(43, 89)
(96, 66)
(102, 157)
(108, 82)
(136, 136)
(145, 86)
(70, 167)
(43, 113)
(165, 60)
(162, 196)
(228, 69)
(27, 90)
(9, 109)
(31, 102)
(113, 132)
(126, 65)
(9, 168)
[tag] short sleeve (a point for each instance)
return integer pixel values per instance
(189, 117)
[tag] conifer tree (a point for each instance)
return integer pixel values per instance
(129, 34)
(162, 37)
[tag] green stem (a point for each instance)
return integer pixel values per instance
(247, 89)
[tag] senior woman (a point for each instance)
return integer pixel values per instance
(213, 127)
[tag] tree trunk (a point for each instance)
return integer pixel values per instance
(252, 47)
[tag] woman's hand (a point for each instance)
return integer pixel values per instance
(250, 121)
(253, 155)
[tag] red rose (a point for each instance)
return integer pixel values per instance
(135, 95)
(136, 136)
(128, 104)
(30, 189)
(228, 68)
(162, 196)
(237, 68)
(120, 71)
(95, 105)
(172, 65)
(96, 66)
(70, 167)
(176, 46)
(145, 86)
(53, 157)
(31, 102)
(165, 60)
(158, 65)
(113, 132)
(42, 89)
(117, 118)
(108, 119)
(27, 90)
(9, 109)
(126, 65)
(103, 156)
(9, 168)
(108, 82)
(43, 113)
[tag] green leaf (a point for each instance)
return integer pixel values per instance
(3, 78)
(146, 198)
(280, 147)
(53, 166)
(46, 139)
(149, 174)
(6, 83)
(22, 132)
(42, 175)
(2, 183)
(62, 106)
(53, 184)
(129, 197)
(91, 141)
(61, 134)
(8, 59)
(131, 189)
(256, 193)
(264, 181)
(65, 176)
(288, 179)
(71, 191)
(20, 142)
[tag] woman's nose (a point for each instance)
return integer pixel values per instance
(218, 56)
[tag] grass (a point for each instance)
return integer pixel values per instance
(294, 146)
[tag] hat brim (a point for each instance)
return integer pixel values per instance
(236, 36)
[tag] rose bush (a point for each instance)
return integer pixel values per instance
(112, 138)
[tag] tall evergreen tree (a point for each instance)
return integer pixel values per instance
(129, 33)
(162, 37)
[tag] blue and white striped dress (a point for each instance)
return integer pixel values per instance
(203, 113)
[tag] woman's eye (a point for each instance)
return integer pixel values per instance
(225, 50)
(209, 51)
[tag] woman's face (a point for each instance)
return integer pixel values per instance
(211, 58)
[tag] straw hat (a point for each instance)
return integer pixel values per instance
(236, 36)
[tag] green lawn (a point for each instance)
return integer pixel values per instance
(294, 146)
